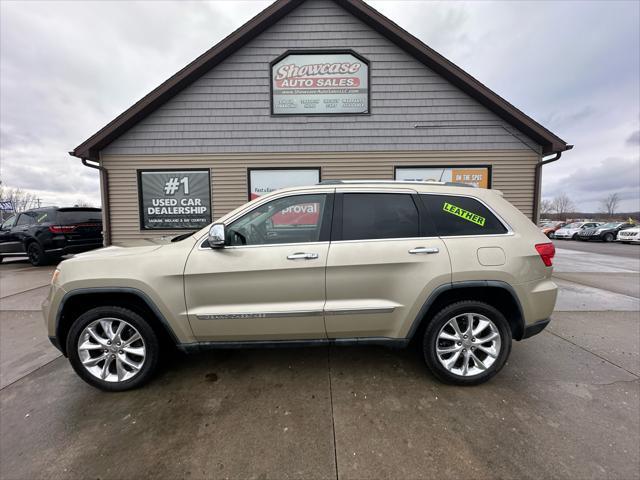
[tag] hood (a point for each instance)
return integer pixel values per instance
(632, 229)
(118, 251)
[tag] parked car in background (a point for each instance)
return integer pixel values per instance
(572, 230)
(45, 234)
(549, 229)
(629, 235)
(606, 232)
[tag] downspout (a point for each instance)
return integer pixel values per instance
(104, 188)
(538, 182)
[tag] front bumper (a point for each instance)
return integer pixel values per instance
(535, 328)
(628, 238)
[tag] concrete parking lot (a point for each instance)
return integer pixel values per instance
(567, 404)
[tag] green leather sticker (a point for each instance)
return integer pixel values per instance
(464, 214)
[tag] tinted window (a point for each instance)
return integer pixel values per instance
(295, 219)
(461, 216)
(379, 215)
(26, 218)
(77, 215)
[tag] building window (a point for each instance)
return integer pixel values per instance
(266, 180)
(476, 175)
(174, 199)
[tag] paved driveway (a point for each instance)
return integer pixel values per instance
(566, 405)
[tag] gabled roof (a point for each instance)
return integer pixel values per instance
(550, 142)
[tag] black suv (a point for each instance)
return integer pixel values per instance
(45, 234)
(606, 232)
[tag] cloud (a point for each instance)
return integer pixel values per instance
(68, 68)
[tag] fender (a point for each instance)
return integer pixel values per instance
(465, 284)
(134, 291)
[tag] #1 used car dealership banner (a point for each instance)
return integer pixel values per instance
(320, 83)
(174, 199)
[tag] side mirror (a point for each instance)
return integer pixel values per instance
(216, 235)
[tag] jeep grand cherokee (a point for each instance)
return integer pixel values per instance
(458, 269)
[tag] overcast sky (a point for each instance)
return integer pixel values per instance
(68, 68)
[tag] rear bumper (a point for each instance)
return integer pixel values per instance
(535, 328)
(69, 249)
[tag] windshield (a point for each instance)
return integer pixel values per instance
(78, 215)
(610, 225)
(574, 225)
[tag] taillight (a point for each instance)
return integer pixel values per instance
(62, 228)
(547, 251)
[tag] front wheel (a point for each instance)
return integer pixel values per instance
(608, 237)
(575, 237)
(467, 343)
(113, 348)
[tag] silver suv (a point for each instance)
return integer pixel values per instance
(458, 269)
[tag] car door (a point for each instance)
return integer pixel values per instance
(21, 229)
(8, 241)
(268, 283)
(384, 261)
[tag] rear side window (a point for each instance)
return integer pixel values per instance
(367, 216)
(454, 215)
(73, 216)
(27, 218)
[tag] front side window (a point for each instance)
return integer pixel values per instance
(455, 215)
(9, 223)
(295, 219)
(368, 216)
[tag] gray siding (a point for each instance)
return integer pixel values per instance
(228, 109)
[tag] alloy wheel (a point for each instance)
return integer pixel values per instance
(111, 349)
(468, 344)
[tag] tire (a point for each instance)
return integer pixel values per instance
(551, 235)
(36, 255)
(476, 375)
(608, 237)
(111, 382)
(575, 237)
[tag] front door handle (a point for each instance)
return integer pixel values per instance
(427, 250)
(302, 256)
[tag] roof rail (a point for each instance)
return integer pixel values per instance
(395, 182)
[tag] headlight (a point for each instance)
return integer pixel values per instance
(599, 231)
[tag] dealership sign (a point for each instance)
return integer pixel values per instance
(315, 83)
(174, 199)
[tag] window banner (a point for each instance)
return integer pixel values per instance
(265, 181)
(174, 199)
(476, 176)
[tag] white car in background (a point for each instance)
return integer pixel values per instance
(571, 231)
(629, 235)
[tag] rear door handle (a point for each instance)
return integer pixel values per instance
(427, 250)
(302, 256)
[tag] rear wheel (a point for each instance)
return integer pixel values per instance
(113, 349)
(36, 254)
(608, 237)
(467, 343)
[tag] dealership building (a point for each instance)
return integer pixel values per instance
(308, 90)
